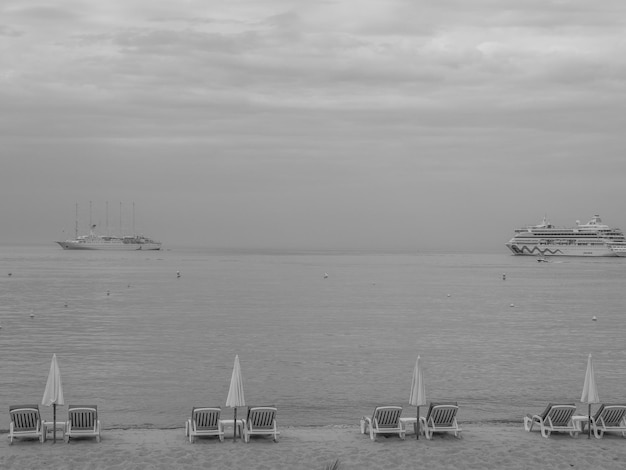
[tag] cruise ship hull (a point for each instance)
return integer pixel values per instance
(535, 250)
(105, 246)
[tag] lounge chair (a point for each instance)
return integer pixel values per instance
(261, 420)
(609, 418)
(441, 417)
(204, 422)
(555, 418)
(384, 420)
(82, 421)
(25, 422)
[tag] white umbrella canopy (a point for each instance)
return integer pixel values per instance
(53, 394)
(235, 393)
(418, 392)
(590, 391)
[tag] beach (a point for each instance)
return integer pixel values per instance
(482, 446)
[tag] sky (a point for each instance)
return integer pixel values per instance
(420, 125)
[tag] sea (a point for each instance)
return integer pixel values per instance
(325, 336)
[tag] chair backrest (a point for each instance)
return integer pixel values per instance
(83, 416)
(545, 412)
(560, 415)
(611, 415)
(206, 418)
(442, 413)
(25, 417)
(387, 416)
(261, 416)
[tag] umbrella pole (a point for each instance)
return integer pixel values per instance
(417, 423)
(235, 426)
(589, 423)
(54, 423)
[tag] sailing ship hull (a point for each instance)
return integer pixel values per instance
(107, 246)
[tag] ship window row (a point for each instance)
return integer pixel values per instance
(568, 234)
(560, 242)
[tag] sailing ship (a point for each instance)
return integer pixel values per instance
(93, 241)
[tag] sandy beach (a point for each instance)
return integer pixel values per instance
(492, 446)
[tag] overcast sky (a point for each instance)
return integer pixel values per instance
(386, 124)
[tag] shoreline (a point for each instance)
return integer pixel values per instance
(482, 446)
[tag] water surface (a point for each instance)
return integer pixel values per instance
(146, 346)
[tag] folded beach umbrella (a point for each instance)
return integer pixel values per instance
(53, 394)
(235, 393)
(418, 392)
(590, 391)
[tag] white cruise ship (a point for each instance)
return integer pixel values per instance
(591, 239)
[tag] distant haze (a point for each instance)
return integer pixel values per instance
(389, 125)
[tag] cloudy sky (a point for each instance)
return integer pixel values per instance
(395, 124)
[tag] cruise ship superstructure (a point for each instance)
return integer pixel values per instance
(591, 239)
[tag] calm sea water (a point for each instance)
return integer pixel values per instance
(146, 346)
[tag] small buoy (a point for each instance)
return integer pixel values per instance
(504, 276)
(108, 292)
(177, 273)
(448, 295)
(512, 305)
(325, 275)
(10, 274)
(594, 318)
(65, 305)
(32, 315)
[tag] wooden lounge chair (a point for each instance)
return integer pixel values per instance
(441, 417)
(25, 422)
(609, 418)
(555, 418)
(261, 420)
(384, 420)
(82, 421)
(204, 422)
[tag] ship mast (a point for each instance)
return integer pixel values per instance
(121, 232)
(134, 233)
(76, 223)
(107, 218)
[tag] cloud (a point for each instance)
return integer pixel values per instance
(382, 109)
